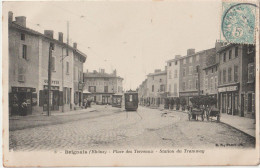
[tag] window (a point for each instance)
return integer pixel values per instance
(206, 83)
(236, 73)
(152, 88)
(229, 74)
(21, 74)
(216, 82)
(184, 61)
(175, 73)
(206, 72)
(197, 57)
(236, 52)
(224, 76)
(219, 76)
(183, 86)
(24, 52)
(170, 64)
(212, 70)
(188, 60)
(53, 63)
(190, 70)
(190, 84)
(175, 87)
(230, 54)
(170, 88)
(75, 76)
(67, 67)
(197, 84)
(216, 69)
(176, 62)
(170, 74)
(224, 57)
(92, 89)
(212, 83)
(161, 88)
(160, 80)
(249, 102)
(105, 89)
(251, 73)
(184, 71)
(22, 36)
(250, 49)
(130, 98)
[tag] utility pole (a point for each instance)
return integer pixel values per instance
(198, 70)
(49, 77)
(62, 63)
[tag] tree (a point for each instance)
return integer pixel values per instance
(183, 102)
(177, 102)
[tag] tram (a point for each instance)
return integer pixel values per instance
(131, 100)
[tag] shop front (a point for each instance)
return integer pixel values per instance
(21, 100)
(229, 99)
(56, 98)
(188, 95)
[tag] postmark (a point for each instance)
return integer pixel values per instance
(238, 22)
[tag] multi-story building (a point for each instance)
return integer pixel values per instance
(28, 69)
(79, 59)
(142, 93)
(173, 77)
(191, 76)
(236, 80)
(102, 85)
(156, 83)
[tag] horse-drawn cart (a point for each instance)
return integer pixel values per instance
(194, 113)
(213, 113)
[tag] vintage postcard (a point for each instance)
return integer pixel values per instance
(130, 83)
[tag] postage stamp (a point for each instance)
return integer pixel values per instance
(238, 22)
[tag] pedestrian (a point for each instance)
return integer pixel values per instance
(86, 103)
(23, 107)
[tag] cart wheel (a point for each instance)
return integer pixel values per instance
(189, 116)
(218, 118)
(202, 117)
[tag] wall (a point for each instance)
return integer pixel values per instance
(172, 80)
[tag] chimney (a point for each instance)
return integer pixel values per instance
(20, 20)
(48, 33)
(10, 17)
(61, 37)
(177, 56)
(102, 71)
(190, 51)
(75, 45)
(114, 72)
(218, 45)
(157, 70)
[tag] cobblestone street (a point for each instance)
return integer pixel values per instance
(144, 129)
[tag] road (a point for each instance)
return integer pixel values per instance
(146, 128)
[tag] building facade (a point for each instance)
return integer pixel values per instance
(156, 91)
(28, 70)
(173, 77)
(191, 73)
(103, 85)
(142, 93)
(236, 80)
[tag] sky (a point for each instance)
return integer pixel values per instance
(133, 37)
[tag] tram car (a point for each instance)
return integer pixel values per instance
(131, 100)
(117, 100)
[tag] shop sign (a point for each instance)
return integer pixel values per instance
(23, 89)
(228, 89)
(189, 94)
(53, 82)
(45, 87)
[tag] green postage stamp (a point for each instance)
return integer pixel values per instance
(238, 22)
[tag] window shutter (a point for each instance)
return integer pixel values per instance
(41, 96)
(60, 98)
(246, 102)
(253, 102)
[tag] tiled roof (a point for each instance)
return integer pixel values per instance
(33, 32)
(157, 73)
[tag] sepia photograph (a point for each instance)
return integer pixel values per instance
(130, 83)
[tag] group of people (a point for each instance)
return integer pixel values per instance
(87, 103)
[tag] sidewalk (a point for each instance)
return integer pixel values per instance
(246, 125)
(31, 121)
